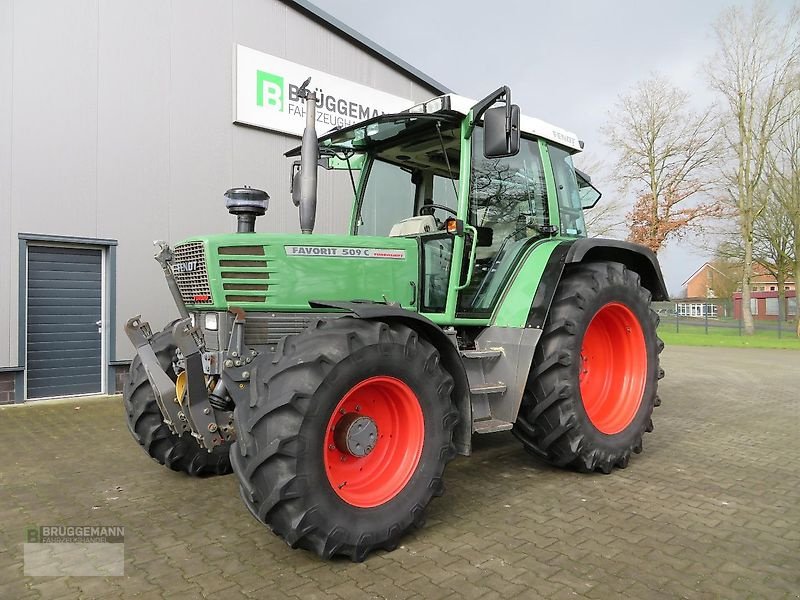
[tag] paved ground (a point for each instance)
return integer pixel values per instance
(711, 509)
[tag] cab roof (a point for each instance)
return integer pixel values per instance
(448, 107)
(529, 125)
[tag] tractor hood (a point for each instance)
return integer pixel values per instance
(283, 272)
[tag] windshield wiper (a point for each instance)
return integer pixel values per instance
(446, 158)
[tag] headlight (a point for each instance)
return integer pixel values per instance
(211, 322)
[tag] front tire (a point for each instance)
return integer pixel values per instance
(179, 453)
(593, 384)
(347, 437)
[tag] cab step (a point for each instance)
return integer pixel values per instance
(489, 388)
(481, 353)
(490, 426)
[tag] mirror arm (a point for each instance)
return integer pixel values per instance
(484, 105)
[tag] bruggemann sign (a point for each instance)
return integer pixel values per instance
(266, 95)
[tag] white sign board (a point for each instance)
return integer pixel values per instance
(266, 95)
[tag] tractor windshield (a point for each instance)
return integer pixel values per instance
(377, 132)
(412, 172)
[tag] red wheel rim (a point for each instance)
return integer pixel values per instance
(374, 479)
(613, 368)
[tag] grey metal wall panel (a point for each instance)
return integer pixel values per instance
(121, 120)
(55, 117)
(200, 115)
(64, 350)
(8, 249)
(133, 175)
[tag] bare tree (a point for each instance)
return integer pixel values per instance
(754, 71)
(785, 182)
(607, 219)
(664, 154)
(773, 242)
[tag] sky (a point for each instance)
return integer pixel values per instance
(565, 61)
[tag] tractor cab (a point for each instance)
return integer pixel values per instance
(429, 173)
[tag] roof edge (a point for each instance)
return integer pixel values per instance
(327, 20)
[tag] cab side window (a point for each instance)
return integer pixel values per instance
(508, 204)
(569, 198)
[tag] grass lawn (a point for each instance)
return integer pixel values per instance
(693, 335)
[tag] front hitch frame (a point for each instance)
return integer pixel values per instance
(197, 410)
(140, 334)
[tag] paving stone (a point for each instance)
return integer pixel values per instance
(709, 510)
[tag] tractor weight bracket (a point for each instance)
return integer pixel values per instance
(198, 410)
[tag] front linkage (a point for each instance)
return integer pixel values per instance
(197, 401)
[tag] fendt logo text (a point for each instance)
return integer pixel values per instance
(185, 267)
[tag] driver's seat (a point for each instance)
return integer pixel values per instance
(414, 226)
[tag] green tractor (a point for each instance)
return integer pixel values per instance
(337, 375)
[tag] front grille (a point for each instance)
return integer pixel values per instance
(189, 270)
(245, 273)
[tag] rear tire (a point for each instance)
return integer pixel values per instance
(179, 453)
(295, 473)
(593, 384)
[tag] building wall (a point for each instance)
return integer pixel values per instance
(704, 281)
(116, 122)
(759, 301)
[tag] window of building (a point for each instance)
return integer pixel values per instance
(791, 307)
(771, 307)
(772, 288)
(686, 309)
(753, 306)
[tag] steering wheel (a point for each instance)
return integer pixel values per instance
(429, 208)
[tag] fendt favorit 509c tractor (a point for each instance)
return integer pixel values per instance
(337, 375)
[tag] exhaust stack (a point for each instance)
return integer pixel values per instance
(246, 203)
(309, 157)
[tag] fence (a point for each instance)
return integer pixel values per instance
(709, 320)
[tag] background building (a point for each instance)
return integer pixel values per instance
(765, 297)
(707, 292)
(117, 128)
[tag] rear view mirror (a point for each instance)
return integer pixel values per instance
(500, 138)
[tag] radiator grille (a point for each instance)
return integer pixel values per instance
(189, 269)
(245, 274)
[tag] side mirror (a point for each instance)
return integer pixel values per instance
(295, 183)
(500, 138)
(589, 194)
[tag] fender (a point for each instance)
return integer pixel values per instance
(636, 257)
(451, 359)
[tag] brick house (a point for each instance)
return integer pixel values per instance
(764, 300)
(704, 293)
